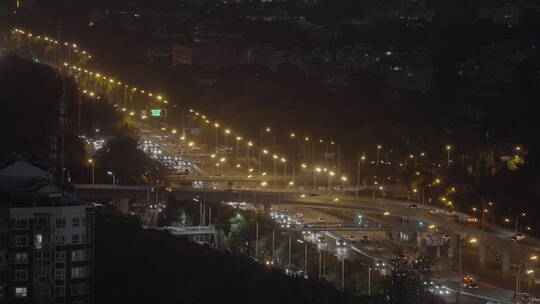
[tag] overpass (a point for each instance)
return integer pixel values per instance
(484, 240)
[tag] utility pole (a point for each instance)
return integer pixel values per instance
(369, 281)
(273, 245)
(290, 236)
(458, 294)
(305, 258)
(343, 274)
(256, 238)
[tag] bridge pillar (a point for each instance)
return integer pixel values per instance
(419, 242)
(505, 262)
(452, 247)
(482, 255)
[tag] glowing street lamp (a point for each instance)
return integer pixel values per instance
(448, 148)
(249, 145)
(284, 161)
(227, 132)
(113, 177)
(216, 126)
(91, 162)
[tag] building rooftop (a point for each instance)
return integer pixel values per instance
(23, 184)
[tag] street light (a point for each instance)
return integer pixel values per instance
(216, 126)
(113, 177)
(379, 147)
(268, 131)
(312, 149)
(249, 145)
(227, 132)
(275, 157)
(330, 175)
(91, 161)
(238, 139)
(448, 148)
(343, 181)
(284, 161)
(360, 160)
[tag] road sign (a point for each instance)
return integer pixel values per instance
(155, 112)
(195, 131)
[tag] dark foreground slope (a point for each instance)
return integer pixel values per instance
(139, 266)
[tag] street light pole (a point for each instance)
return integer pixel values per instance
(249, 144)
(305, 258)
(343, 274)
(379, 147)
(273, 245)
(91, 161)
(113, 177)
(259, 164)
(256, 238)
(448, 148)
(290, 235)
(369, 281)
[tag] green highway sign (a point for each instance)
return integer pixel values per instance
(155, 112)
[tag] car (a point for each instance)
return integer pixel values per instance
(299, 214)
(448, 212)
(472, 285)
(365, 238)
(313, 194)
(341, 243)
(519, 236)
(413, 206)
(433, 211)
(320, 239)
(269, 262)
(472, 220)
(351, 238)
(467, 279)
(321, 219)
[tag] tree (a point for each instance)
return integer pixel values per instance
(406, 283)
(238, 234)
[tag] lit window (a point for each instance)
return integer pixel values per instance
(21, 292)
(79, 272)
(38, 241)
(21, 258)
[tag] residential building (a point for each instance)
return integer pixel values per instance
(47, 236)
(507, 13)
(206, 55)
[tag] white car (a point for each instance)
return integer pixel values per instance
(341, 243)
